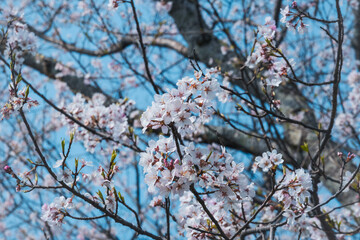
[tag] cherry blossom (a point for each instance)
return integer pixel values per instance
(265, 55)
(268, 160)
(191, 103)
(55, 213)
(66, 176)
(17, 101)
(166, 173)
(111, 120)
(289, 18)
(113, 4)
(294, 189)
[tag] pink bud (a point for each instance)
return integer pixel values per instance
(350, 157)
(8, 169)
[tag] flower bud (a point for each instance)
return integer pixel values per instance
(8, 169)
(350, 157)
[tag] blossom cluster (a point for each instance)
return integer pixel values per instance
(113, 4)
(266, 56)
(17, 101)
(186, 106)
(192, 216)
(55, 213)
(294, 190)
(291, 20)
(167, 173)
(20, 40)
(268, 160)
(110, 120)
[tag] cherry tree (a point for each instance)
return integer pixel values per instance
(182, 119)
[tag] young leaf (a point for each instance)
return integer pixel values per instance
(305, 147)
(63, 146)
(101, 196)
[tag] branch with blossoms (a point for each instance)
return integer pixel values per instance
(167, 147)
(54, 213)
(89, 89)
(193, 153)
(172, 166)
(57, 211)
